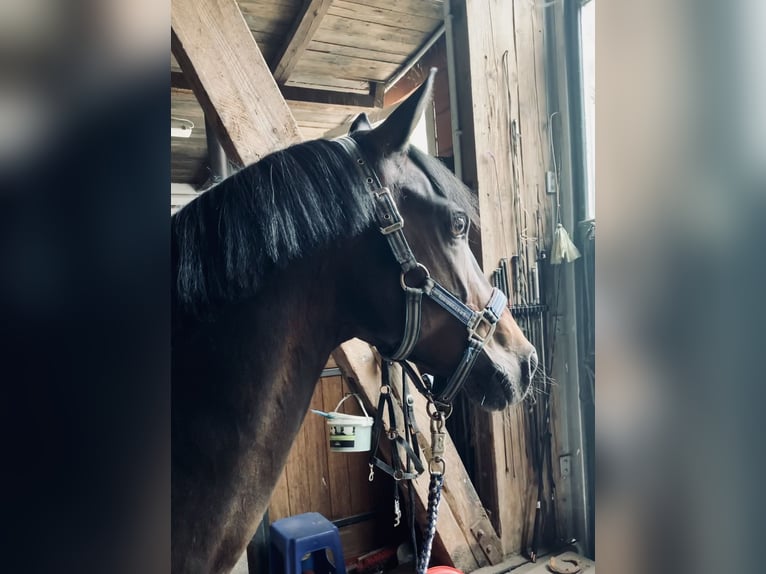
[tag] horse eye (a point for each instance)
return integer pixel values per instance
(459, 224)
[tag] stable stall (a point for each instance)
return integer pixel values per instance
(508, 117)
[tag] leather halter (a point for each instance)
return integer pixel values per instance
(480, 324)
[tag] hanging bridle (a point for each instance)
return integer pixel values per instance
(480, 324)
(416, 281)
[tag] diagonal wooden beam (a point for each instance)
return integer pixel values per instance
(465, 536)
(222, 63)
(304, 28)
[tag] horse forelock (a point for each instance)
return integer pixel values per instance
(286, 206)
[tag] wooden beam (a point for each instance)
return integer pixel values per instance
(299, 37)
(327, 97)
(464, 533)
(179, 82)
(219, 57)
(378, 93)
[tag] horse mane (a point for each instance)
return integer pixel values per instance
(224, 245)
(285, 206)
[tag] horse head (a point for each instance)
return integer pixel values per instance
(438, 214)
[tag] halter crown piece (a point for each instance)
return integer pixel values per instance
(480, 324)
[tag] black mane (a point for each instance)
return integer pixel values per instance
(284, 207)
(279, 209)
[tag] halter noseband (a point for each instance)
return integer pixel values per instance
(480, 324)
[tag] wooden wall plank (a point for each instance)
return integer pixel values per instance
(305, 26)
(340, 487)
(315, 459)
(230, 78)
(504, 149)
(279, 506)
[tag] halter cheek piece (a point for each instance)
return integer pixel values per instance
(480, 324)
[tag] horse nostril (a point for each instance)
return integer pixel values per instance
(532, 362)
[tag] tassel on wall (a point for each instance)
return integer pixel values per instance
(564, 250)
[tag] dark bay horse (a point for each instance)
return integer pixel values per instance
(273, 269)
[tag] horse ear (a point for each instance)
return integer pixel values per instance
(394, 133)
(360, 124)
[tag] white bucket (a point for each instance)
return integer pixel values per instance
(350, 433)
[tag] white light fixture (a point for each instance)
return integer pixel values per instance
(180, 128)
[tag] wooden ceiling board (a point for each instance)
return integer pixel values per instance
(269, 21)
(336, 66)
(356, 52)
(370, 35)
(364, 13)
(426, 8)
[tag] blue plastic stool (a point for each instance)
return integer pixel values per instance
(310, 533)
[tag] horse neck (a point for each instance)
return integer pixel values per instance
(241, 389)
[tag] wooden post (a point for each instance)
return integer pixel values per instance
(504, 143)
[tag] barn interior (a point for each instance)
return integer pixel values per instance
(512, 116)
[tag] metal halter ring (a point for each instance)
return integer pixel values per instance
(405, 273)
(435, 413)
(437, 466)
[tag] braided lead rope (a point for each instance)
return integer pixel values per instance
(434, 497)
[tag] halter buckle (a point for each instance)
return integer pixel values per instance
(388, 212)
(485, 319)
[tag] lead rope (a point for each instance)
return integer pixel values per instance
(436, 468)
(434, 498)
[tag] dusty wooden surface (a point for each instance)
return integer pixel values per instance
(297, 40)
(230, 78)
(461, 508)
(505, 155)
